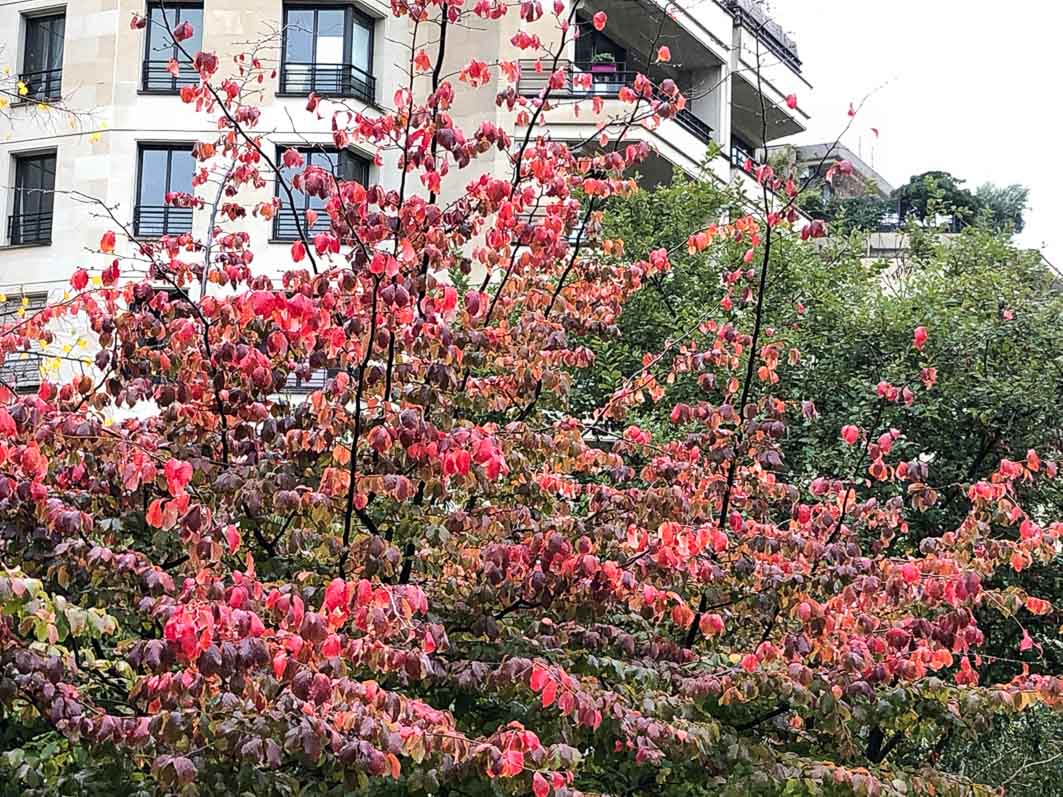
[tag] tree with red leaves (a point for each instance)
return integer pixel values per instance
(427, 575)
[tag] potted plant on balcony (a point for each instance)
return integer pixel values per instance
(603, 63)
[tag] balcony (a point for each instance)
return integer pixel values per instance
(751, 15)
(21, 371)
(328, 80)
(29, 229)
(154, 221)
(286, 226)
(156, 77)
(605, 80)
(43, 85)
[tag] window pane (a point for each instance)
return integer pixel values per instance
(354, 168)
(160, 45)
(330, 29)
(194, 17)
(299, 36)
(361, 56)
(153, 176)
(56, 31)
(182, 167)
(36, 46)
(35, 181)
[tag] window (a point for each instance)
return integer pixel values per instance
(741, 152)
(343, 165)
(21, 370)
(30, 221)
(42, 64)
(160, 49)
(163, 168)
(594, 47)
(327, 49)
(603, 58)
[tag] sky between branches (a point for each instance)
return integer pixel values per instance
(971, 87)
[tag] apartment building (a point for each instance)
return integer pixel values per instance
(124, 138)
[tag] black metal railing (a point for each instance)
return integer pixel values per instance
(582, 79)
(29, 228)
(21, 371)
(751, 15)
(333, 80)
(44, 85)
(599, 79)
(285, 227)
(688, 120)
(157, 77)
(152, 221)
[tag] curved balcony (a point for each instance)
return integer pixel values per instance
(605, 80)
(328, 80)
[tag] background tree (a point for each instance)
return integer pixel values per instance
(999, 380)
(1005, 205)
(929, 195)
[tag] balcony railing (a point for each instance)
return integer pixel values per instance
(153, 221)
(29, 228)
(750, 14)
(157, 77)
(44, 85)
(333, 80)
(21, 371)
(687, 119)
(606, 80)
(316, 381)
(285, 227)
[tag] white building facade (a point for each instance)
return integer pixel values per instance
(113, 136)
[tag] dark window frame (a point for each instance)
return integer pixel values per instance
(346, 88)
(154, 77)
(15, 232)
(18, 372)
(32, 74)
(171, 216)
(280, 233)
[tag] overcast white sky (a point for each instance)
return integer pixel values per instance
(972, 87)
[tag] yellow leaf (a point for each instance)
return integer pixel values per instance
(23, 89)
(3, 298)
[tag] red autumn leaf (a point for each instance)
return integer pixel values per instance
(183, 32)
(850, 434)
(919, 338)
(599, 20)
(791, 101)
(178, 475)
(540, 788)
(107, 241)
(664, 55)
(539, 678)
